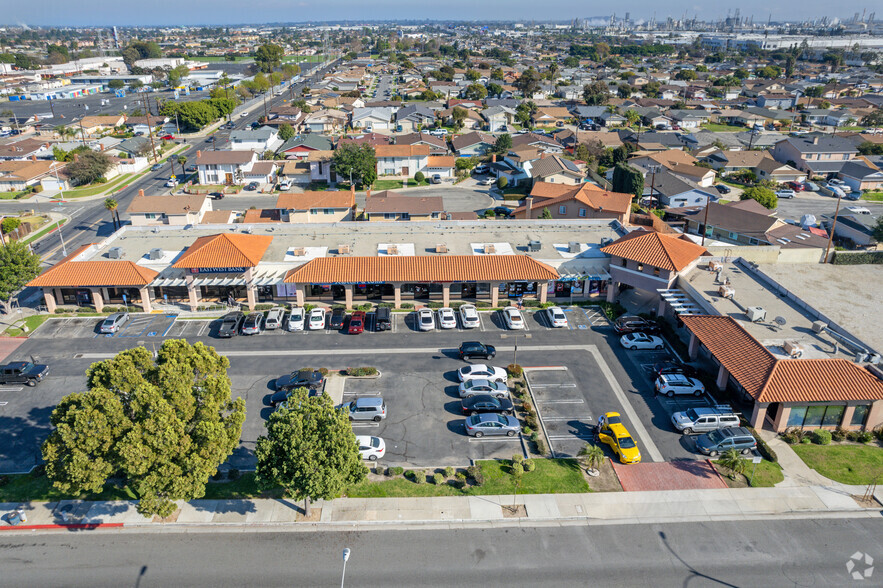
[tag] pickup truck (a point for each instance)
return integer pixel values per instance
(23, 372)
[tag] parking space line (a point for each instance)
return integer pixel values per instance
(497, 438)
(11, 389)
(554, 386)
(203, 328)
(569, 437)
(174, 318)
(373, 425)
(575, 401)
(587, 417)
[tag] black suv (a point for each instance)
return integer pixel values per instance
(383, 319)
(470, 349)
(674, 367)
(338, 315)
(230, 324)
(313, 380)
(634, 324)
(23, 372)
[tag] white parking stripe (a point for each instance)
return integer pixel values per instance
(495, 438)
(576, 401)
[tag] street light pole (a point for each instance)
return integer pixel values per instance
(60, 236)
(833, 225)
(346, 556)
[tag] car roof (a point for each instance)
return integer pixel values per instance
(369, 401)
(675, 378)
(619, 430)
(735, 432)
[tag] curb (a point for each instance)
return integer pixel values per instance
(77, 526)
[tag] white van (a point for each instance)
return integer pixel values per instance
(274, 318)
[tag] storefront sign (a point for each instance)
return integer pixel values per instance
(217, 270)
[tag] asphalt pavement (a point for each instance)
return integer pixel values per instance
(772, 552)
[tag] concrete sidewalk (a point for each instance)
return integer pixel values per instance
(538, 509)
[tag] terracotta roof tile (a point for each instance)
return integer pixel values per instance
(449, 268)
(441, 161)
(74, 274)
(656, 249)
(225, 250)
(402, 150)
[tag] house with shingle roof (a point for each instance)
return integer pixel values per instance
(554, 170)
(329, 206)
(815, 154)
(586, 201)
(177, 209)
(401, 160)
(389, 206)
(300, 146)
(437, 145)
(412, 116)
(224, 167)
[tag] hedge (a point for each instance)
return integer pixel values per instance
(765, 450)
(857, 257)
(361, 371)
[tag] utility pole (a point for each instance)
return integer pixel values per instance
(705, 222)
(82, 132)
(652, 169)
(149, 126)
(833, 225)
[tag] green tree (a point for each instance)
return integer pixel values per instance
(624, 91)
(472, 75)
(596, 93)
(873, 119)
(476, 92)
(181, 159)
(268, 57)
(546, 214)
(112, 206)
(286, 131)
(116, 84)
(627, 179)
(459, 116)
(814, 91)
(164, 425)
(528, 83)
(176, 74)
(502, 182)
(357, 162)
(503, 143)
(494, 89)
(730, 459)
(868, 148)
(686, 74)
(309, 450)
(18, 266)
(766, 197)
(88, 167)
(877, 232)
(591, 456)
(632, 116)
(140, 50)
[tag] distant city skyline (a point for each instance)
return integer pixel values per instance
(55, 13)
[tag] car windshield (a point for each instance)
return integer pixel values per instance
(355, 323)
(614, 420)
(691, 414)
(715, 437)
(502, 420)
(627, 443)
(108, 322)
(375, 442)
(557, 314)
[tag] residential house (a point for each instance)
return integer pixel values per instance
(540, 142)
(653, 141)
(730, 224)
(857, 228)
(551, 116)
(860, 176)
(218, 217)
(296, 171)
(373, 139)
(412, 117)
(770, 169)
(499, 118)
(140, 125)
(827, 116)
(263, 172)
(473, 144)
(300, 146)
(371, 119)
(437, 145)
(401, 160)
(554, 170)
(667, 159)
(325, 121)
(688, 119)
(177, 209)
(387, 206)
(26, 149)
(261, 139)
(585, 201)
(733, 161)
(96, 125)
(441, 165)
(287, 114)
(320, 166)
(134, 147)
(224, 167)
(823, 155)
(328, 206)
(673, 191)
(776, 101)
(472, 121)
(19, 175)
(590, 114)
(704, 139)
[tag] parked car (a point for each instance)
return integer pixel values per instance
(512, 317)
(157, 166)
(252, 324)
(216, 195)
(671, 384)
(501, 210)
(481, 168)
(274, 318)
(296, 319)
(439, 132)
(357, 323)
(168, 137)
(313, 381)
(371, 448)
(425, 320)
(251, 186)
(556, 317)
(797, 186)
(286, 185)
(488, 182)
(492, 424)
(704, 418)
(483, 372)
(114, 322)
(853, 194)
(446, 318)
(613, 433)
(338, 316)
(722, 189)
(858, 210)
(383, 319)
(641, 341)
(716, 442)
(811, 186)
(366, 408)
(469, 316)
(317, 319)
(171, 183)
(674, 367)
(632, 324)
(481, 386)
(485, 403)
(190, 169)
(23, 372)
(230, 324)
(470, 349)
(785, 193)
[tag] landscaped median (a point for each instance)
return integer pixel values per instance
(31, 322)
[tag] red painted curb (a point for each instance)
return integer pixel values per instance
(84, 526)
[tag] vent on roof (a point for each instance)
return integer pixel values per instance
(489, 248)
(299, 251)
(155, 253)
(533, 245)
(344, 249)
(115, 253)
(441, 248)
(392, 250)
(606, 241)
(573, 247)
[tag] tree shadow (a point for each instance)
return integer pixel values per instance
(20, 450)
(225, 506)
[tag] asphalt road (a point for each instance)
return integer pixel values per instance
(819, 205)
(745, 553)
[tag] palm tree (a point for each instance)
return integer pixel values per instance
(182, 159)
(112, 205)
(591, 457)
(730, 459)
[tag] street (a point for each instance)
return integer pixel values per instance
(745, 553)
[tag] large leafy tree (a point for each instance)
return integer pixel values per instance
(268, 57)
(18, 266)
(528, 83)
(503, 143)
(88, 167)
(357, 162)
(627, 179)
(766, 197)
(286, 131)
(309, 449)
(163, 425)
(596, 93)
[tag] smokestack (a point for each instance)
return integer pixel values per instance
(494, 158)
(33, 158)
(368, 193)
(528, 206)
(198, 154)
(141, 192)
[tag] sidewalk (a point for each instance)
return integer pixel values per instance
(538, 509)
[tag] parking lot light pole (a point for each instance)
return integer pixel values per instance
(346, 556)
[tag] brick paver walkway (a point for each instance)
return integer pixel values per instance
(670, 475)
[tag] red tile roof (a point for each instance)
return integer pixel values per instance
(402, 150)
(656, 249)
(225, 250)
(81, 274)
(589, 194)
(449, 268)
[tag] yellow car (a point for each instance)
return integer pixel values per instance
(612, 432)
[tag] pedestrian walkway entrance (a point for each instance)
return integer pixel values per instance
(669, 475)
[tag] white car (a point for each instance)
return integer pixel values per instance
(243, 114)
(371, 448)
(513, 318)
(171, 183)
(469, 316)
(641, 341)
(296, 319)
(786, 194)
(317, 319)
(425, 320)
(284, 186)
(556, 317)
(858, 210)
(446, 318)
(483, 372)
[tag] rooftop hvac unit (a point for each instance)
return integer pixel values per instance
(155, 253)
(489, 248)
(573, 247)
(819, 326)
(726, 292)
(115, 253)
(441, 248)
(344, 249)
(714, 266)
(756, 313)
(299, 251)
(606, 241)
(533, 245)
(392, 250)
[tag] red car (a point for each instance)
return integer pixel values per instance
(357, 323)
(168, 138)
(797, 186)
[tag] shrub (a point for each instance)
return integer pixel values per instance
(218, 475)
(531, 421)
(821, 437)
(517, 458)
(419, 476)
(517, 469)
(397, 470)
(476, 474)
(527, 430)
(541, 446)
(793, 435)
(806, 441)
(308, 308)
(419, 177)
(839, 434)
(9, 224)
(449, 472)
(407, 305)
(438, 479)
(852, 435)
(460, 475)
(361, 371)
(764, 449)
(528, 407)
(502, 182)
(514, 370)
(232, 474)
(865, 437)
(409, 473)
(4, 480)
(529, 465)
(434, 305)
(534, 436)
(878, 432)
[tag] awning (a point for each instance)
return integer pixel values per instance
(168, 282)
(269, 277)
(219, 282)
(680, 302)
(576, 274)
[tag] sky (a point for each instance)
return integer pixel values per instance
(190, 12)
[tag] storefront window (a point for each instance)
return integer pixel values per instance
(860, 415)
(814, 416)
(833, 416)
(795, 418)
